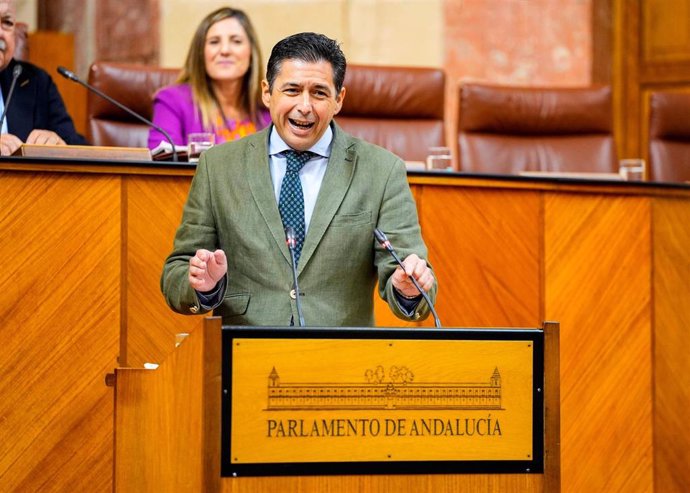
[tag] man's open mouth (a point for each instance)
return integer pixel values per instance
(299, 124)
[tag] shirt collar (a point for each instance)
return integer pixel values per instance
(322, 147)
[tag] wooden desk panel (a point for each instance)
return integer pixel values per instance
(484, 244)
(597, 269)
(59, 329)
(502, 483)
(609, 261)
(671, 360)
(153, 210)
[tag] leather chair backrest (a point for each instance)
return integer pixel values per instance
(669, 136)
(133, 85)
(398, 108)
(506, 130)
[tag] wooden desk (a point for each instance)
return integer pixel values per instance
(83, 245)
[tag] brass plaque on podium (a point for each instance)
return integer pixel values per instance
(358, 401)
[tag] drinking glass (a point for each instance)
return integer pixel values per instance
(439, 159)
(632, 169)
(198, 143)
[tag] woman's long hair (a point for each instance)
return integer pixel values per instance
(194, 70)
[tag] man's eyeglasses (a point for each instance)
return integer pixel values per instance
(7, 25)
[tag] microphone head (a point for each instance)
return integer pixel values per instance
(291, 237)
(17, 71)
(67, 73)
(382, 239)
(380, 236)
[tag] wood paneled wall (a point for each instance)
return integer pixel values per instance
(50, 49)
(84, 246)
(649, 50)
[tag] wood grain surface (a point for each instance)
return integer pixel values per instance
(164, 415)
(597, 272)
(59, 330)
(153, 210)
(83, 246)
(671, 298)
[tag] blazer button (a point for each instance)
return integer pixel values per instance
(293, 294)
(194, 309)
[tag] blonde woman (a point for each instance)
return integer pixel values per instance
(219, 88)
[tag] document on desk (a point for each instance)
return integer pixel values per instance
(572, 174)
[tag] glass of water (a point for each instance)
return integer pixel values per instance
(439, 159)
(632, 169)
(198, 143)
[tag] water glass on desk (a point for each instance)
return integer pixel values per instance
(439, 159)
(632, 169)
(198, 143)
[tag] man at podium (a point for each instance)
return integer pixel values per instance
(302, 174)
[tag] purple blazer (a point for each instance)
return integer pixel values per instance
(175, 112)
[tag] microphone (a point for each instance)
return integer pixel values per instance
(383, 240)
(16, 72)
(68, 74)
(291, 239)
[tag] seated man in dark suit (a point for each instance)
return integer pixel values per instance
(36, 114)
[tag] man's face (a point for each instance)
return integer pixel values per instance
(302, 102)
(7, 41)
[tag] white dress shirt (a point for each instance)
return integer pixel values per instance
(311, 175)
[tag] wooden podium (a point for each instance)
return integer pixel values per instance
(168, 422)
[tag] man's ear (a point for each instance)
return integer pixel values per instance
(339, 101)
(265, 93)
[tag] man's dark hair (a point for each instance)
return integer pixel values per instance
(310, 48)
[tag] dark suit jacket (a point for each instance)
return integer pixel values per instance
(36, 104)
(232, 205)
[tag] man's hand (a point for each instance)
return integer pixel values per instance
(38, 136)
(8, 144)
(414, 267)
(206, 269)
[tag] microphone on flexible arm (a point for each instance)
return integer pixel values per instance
(16, 72)
(68, 74)
(383, 240)
(291, 240)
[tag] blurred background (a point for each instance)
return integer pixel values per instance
(520, 42)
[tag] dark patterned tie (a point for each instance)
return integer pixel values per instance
(291, 201)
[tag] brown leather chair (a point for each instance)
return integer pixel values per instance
(506, 130)
(669, 136)
(133, 85)
(398, 108)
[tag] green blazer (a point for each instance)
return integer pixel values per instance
(232, 206)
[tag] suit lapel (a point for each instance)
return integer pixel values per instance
(260, 184)
(336, 182)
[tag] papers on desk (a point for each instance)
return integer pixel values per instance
(415, 165)
(163, 152)
(572, 174)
